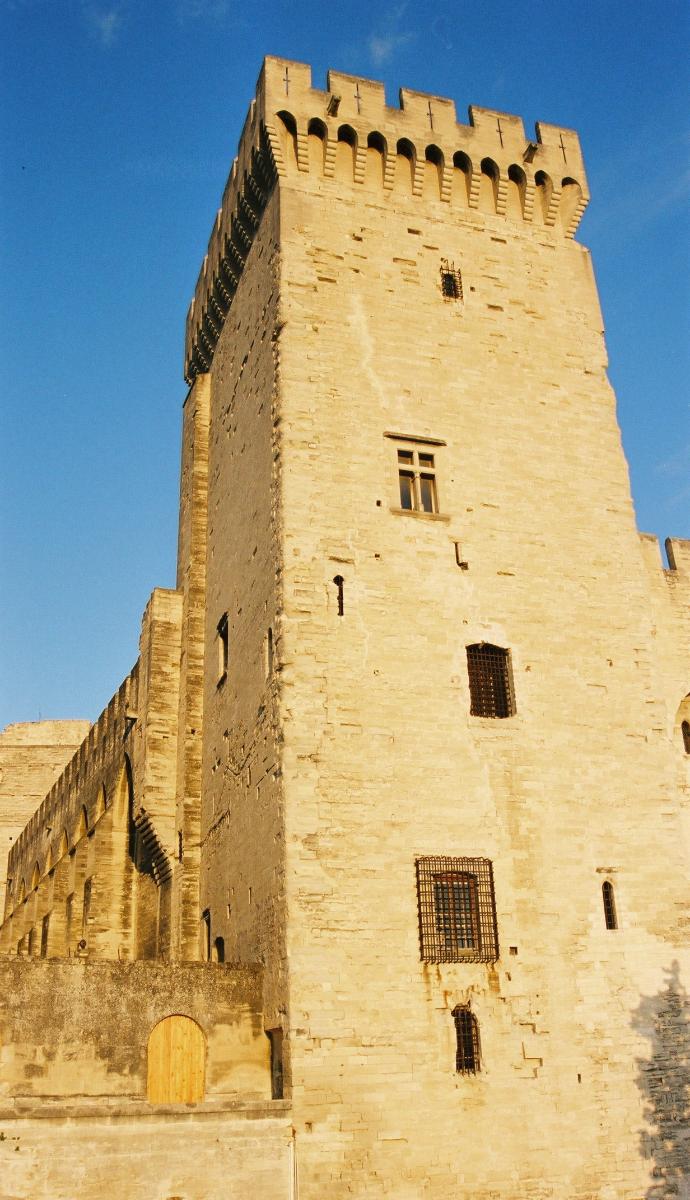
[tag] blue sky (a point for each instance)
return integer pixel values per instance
(119, 124)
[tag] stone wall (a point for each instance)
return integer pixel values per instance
(533, 548)
(32, 755)
(81, 1029)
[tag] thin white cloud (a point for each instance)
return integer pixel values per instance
(381, 49)
(383, 43)
(105, 23)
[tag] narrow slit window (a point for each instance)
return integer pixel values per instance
(222, 639)
(491, 681)
(45, 928)
(206, 934)
(467, 1051)
(268, 653)
(275, 1037)
(340, 585)
(609, 905)
(86, 908)
(685, 730)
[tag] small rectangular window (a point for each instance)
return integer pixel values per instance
(457, 912)
(45, 928)
(491, 681)
(417, 481)
(451, 281)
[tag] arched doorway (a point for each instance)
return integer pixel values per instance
(176, 1062)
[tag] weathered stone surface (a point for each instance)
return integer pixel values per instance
(299, 728)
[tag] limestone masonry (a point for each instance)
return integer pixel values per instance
(372, 879)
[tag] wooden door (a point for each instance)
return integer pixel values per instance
(176, 1062)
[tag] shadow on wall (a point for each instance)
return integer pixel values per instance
(664, 1080)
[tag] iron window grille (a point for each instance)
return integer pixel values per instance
(609, 905)
(491, 681)
(457, 910)
(451, 281)
(467, 1051)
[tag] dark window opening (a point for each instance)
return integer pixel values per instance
(685, 730)
(180, 846)
(491, 682)
(467, 1053)
(457, 912)
(268, 653)
(69, 917)
(609, 905)
(451, 281)
(340, 584)
(206, 934)
(32, 941)
(45, 926)
(219, 950)
(88, 888)
(275, 1037)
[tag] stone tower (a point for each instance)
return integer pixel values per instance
(444, 784)
(400, 778)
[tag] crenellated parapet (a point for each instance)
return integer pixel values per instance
(77, 799)
(120, 782)
(347, 135)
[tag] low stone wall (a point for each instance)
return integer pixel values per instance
(76, 1029)
(235, 1152)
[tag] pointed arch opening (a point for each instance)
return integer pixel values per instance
(83, 824)
(35, 877)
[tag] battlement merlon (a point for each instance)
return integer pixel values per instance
(423, 120)
(421, 117)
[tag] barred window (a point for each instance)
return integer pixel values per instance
(491, 681)
(451, 281)
(609, 905)
(457, 911)
(467, 1052)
